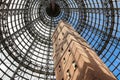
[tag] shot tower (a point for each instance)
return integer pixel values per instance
(74, 59)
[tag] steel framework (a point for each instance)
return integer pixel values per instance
(26, 29)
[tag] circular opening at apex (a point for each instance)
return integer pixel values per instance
(53, 10)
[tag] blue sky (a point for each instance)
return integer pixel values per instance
(93, 35)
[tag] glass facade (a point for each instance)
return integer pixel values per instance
(26, 27)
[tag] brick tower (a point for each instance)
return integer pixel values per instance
(74, 59)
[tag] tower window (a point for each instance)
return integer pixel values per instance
(55, 44)
(68, 74)
(64, 60)
(59, 68)
(74, 65)
(62, 48)
(69, 51)
(62, 33)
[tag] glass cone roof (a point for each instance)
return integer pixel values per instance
(26, 28)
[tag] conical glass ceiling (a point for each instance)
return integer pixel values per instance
(26, 27)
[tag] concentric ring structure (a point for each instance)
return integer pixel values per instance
(26, 28)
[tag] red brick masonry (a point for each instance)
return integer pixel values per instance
(74, 59)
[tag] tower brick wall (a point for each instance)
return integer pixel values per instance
(73, 57)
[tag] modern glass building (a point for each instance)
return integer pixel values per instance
(26, 27)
